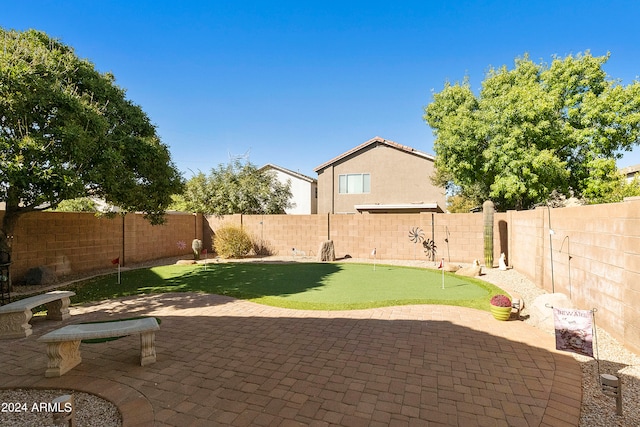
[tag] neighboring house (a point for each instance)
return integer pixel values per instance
(630, 172)
(304, 189)
(379, 176)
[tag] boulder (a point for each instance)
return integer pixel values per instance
(326, 251)
(41, 275)
(451, 268)
(471, 271)
(541, 312)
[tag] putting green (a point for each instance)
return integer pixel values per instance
(315, 286)
(360, 283)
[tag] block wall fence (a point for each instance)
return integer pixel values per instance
(595, 249)
(589, 253)
(71, 243)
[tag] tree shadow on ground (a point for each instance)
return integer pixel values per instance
(239, 280)
(229, 365)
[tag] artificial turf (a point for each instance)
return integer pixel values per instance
(315, 286)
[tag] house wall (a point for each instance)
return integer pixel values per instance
(396, 177)
(303, 194)
(77, 242)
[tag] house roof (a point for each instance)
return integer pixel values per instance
(630, 170)
(289, 172)
(376, 140)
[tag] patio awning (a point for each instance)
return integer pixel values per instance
(399, 208)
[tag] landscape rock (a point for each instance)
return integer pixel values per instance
(471, 271)
(541, 311)
(451, 268)
(326, 251)
(41, 275)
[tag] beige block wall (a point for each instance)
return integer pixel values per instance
(595, 249)
(81, 242)
(396, 177)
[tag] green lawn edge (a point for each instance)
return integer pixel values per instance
(100, 288)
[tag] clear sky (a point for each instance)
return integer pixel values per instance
(297, 83)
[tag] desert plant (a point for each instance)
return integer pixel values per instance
(487, 210)
(231, 241)
(261, 247)
(500, 301)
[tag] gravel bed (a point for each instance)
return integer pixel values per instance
(26, 407)
(598, 409)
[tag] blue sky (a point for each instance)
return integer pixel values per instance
(297, 83)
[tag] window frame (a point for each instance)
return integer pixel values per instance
(365, 184)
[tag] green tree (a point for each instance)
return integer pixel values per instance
(67, 131)
(532, 129)
(607, 185)
(80, 204)
(235, 188)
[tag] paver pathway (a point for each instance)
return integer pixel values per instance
(222, 361)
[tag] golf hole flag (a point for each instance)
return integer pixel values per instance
(574, 330)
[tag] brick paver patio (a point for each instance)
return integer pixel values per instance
(222, 361)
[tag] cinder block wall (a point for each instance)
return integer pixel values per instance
(81, 242)
(595, 249)
(458, 237)
(596, 260)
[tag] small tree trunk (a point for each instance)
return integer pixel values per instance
(326, 251)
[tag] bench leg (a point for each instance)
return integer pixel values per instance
(58, 309)
(63, 356)
(147, 348)
(15, 325)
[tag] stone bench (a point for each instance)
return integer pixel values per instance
(63, 345)
(15, 316)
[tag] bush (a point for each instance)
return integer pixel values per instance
(261, 247)
(231, 241)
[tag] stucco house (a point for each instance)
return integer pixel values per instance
(379, 176)
(304, 189)
(630, 172)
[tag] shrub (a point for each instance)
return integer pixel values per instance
(261, 247)
(231, 241)
(501, 301)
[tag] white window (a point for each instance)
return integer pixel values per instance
(354, 183)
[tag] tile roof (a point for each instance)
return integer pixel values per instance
(375, 140)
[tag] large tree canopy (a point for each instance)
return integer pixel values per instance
(67, 131)
(235, 188)
(534, 129)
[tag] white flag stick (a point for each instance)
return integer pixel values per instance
(374, 258)
(442, 264)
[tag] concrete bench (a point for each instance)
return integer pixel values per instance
(15, 316)
(63, 345)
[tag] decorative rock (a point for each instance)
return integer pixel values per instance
(451, 268)
(185, 262)
(327, 251)
(41, 275)
(473, 270)
(541, 313)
